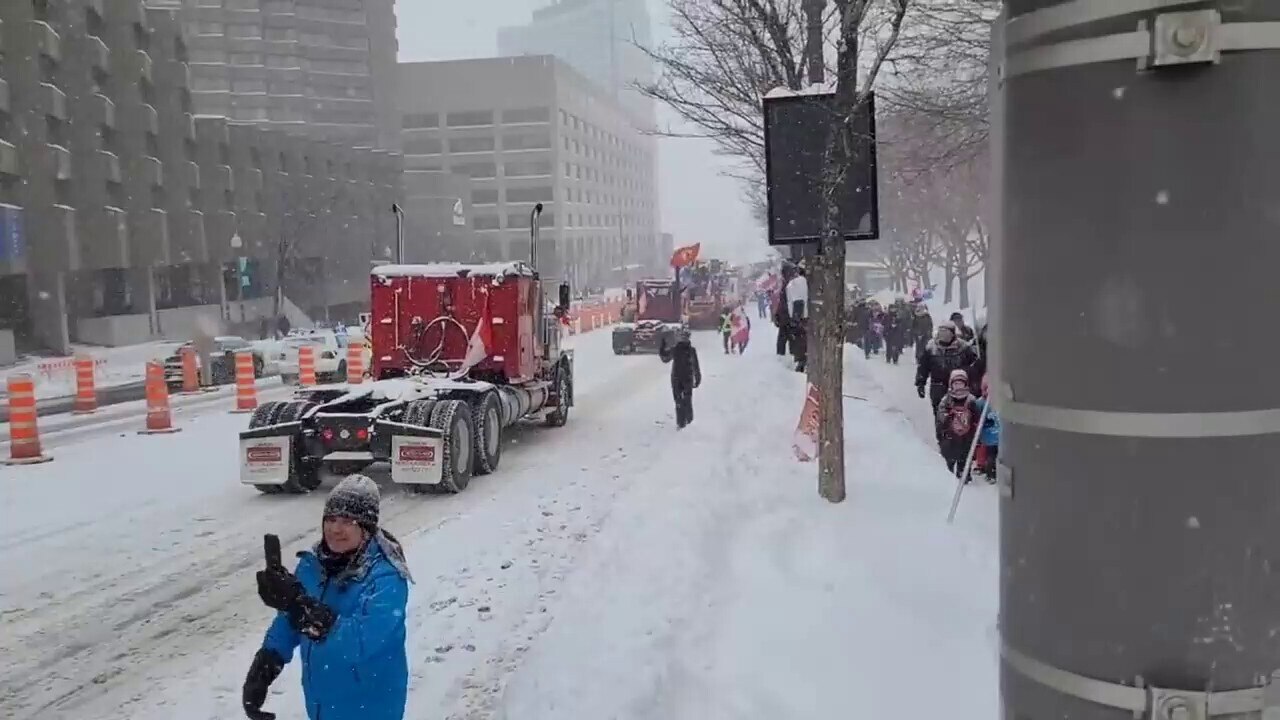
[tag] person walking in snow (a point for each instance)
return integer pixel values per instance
(344, 609)
(686, 375)
(988, 452)
(943, 355)
(798, 296)
(726, 329)
(921, 327)
(740, 330)
(957, 422)
(964, 331)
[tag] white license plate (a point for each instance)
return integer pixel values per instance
(265, 461)
(416, 460)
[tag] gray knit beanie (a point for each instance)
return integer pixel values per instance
(355, 497)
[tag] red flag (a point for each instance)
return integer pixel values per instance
(685, 256)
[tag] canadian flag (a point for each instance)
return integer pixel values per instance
(480, 342)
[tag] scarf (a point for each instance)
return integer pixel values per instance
(354, 565)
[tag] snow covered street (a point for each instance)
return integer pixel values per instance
(615, 568)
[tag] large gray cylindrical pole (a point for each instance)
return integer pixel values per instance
(1140, 536)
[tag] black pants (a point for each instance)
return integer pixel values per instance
(955, 451)
(725, 336)
(936, 393)
(783, 338)
(799, 344)
(683, 395)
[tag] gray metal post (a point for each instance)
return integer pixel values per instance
(1141, 412)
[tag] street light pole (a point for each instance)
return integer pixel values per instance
(1140, 431)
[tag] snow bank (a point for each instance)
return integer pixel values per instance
(723, 587)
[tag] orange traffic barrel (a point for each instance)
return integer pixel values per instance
(86, 394)
(159, 418)
(355, 364)
(246, 387)
(307, 365)
(24, 436)
(190, 371)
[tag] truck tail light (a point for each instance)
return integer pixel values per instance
(362, 434)
(327, 434)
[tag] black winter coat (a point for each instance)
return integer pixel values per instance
(936, 362)
(683, 357)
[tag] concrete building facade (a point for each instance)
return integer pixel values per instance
(124, 214)
(528, 130)
(322, 68)
(604, 40)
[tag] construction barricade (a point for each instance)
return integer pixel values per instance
(24, 435)
(86, 392)
(159, 416)
(246, 384)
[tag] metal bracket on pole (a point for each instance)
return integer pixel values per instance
(1148, 702)
(1178, 38)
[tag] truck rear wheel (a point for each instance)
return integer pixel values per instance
(453, 418)
(304, 476)
(418, 414)
(268, 413)
(486, 418)
(563, 390)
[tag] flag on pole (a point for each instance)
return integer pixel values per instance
(480, 343)
(804, 443)
(685, 256)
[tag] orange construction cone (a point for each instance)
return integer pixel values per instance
(246, 388)
(307, 365)
(190, 373)
(355, 364)
(24, 436)
(159, 419)
(86, 393)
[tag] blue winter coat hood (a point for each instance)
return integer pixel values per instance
(359, 671)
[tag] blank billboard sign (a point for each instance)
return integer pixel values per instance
(795, 140)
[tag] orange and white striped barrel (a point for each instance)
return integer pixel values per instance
(24, 436)
(190, 373)
(246, 388)
(307, 365)
(159, 417)
(86, 394)
(355, 364)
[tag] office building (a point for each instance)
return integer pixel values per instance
(124, 215)
(604, 40)
(323, 68)
(528, 130)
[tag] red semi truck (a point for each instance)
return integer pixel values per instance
(460, 354)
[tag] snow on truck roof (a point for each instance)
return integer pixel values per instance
(449, 270)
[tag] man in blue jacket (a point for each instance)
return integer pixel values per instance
(344, 608)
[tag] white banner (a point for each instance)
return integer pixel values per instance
(265, 461)
(416, 460)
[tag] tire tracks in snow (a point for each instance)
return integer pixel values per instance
(126, 626)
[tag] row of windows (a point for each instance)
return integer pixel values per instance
(489, 196)
(570, 121)
(201, 83)
(528, 168)
(515, 221)
(222, 57)
(435, 146)
(419, 121)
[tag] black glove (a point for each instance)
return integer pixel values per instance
(266, 667)
(311, 618)
(920, 391)
(278, 588)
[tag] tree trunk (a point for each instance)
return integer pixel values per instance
(962, 275)
(950, 269)
(964, 290)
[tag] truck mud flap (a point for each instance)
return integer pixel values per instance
(417, 453)
(266, 454)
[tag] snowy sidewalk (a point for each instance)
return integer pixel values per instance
(723, 587)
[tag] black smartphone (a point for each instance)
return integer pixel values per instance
(271, 549)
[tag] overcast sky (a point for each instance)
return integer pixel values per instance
(698, 204)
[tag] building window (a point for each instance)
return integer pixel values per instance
(477, 170)
(210, 84)
(470, 144)
(547, 219)
(527, 115)
(249, 86)
(281, 34)
(484, 196)
(423, 146)
(541, 193)
(469, 119)
(527, 168)
(527, 141)
(244, 31)
(282, 61)
(202, 55)
(487, 222)
(246, 58)
(413, 121)
(518, 221)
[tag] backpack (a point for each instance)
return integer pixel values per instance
(959, 420)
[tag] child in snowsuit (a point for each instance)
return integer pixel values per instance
(957, 422)
(984, 460)
(685, 374)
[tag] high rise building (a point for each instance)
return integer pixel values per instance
(125, 216)
(604, 40)
(528, 130)
(323, 68)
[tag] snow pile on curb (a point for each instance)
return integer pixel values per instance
(723, 587)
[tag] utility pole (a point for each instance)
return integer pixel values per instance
(1139, 539)
(816, 73)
